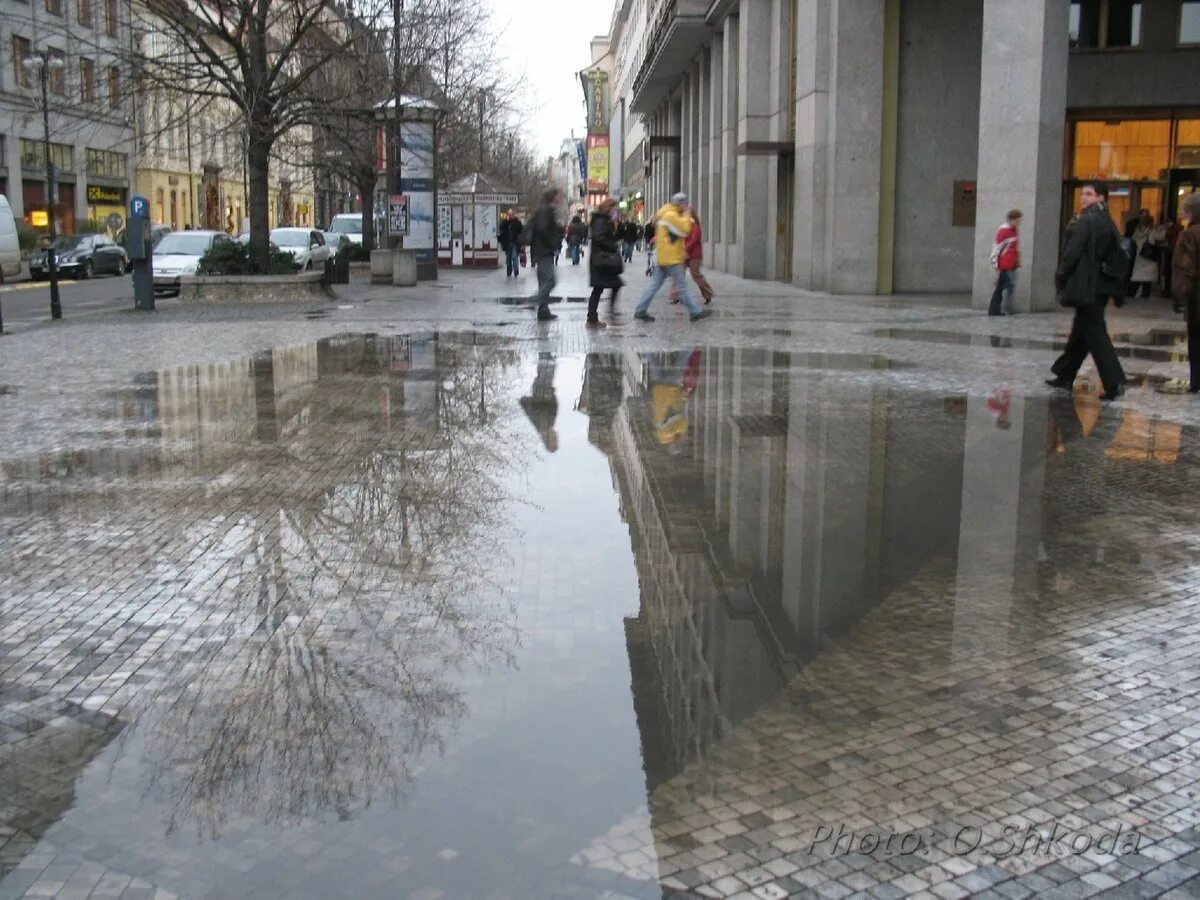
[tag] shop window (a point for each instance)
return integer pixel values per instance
(1187, 148)
(87, 80)
(1105, 24)
(1189, 22)
(21, 51)
(1122, 151)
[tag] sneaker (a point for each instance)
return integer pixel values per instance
(703, 314)
(596, 323)
(645, 317)
(1060, 383)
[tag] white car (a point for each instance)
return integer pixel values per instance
(307, 246)
(349, 224)
(336, 240)
(178, 253)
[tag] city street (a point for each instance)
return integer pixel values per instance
(408, 595)
(27, 303)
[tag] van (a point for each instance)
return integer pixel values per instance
(10, 246)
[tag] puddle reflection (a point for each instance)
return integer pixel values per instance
(448, 612)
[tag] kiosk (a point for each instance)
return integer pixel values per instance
(468, 212)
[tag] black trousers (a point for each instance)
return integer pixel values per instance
(1193, 331)
(593, 312)
(1089, 334)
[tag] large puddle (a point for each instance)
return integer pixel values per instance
(380, 615)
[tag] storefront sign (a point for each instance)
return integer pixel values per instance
(397, 214)
(479, 199)
(39, 218)
(579, 149)
(597, 163)
(595, 91)
(99, 194)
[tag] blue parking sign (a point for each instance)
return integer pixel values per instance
(139, 206)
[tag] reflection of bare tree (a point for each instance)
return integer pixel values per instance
(338, 602)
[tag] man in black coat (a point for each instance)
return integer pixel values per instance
(509, 236)
(1085, 284)
(544, 242)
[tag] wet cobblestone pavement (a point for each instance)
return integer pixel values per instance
(418, 598)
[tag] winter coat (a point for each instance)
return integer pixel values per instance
(604, 240)
(1089, 238)
(1009, 243)
(1146, 269)
(670, 234)
(576, 232)
(547, 233)
(630, 232)
(509, 232)
(1185, 279)
(694, 243)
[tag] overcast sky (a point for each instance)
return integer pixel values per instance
(548, 39)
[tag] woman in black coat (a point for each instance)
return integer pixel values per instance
(604, 262)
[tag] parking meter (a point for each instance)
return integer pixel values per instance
(141, 253)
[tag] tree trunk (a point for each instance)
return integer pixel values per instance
(366, 189)
(259, 166)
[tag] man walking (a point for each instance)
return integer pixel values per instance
(1006, 259)
(673, 225)
(544, 240)
(510, 242)
(1091, 271)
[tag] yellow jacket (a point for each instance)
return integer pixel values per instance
(670, 222)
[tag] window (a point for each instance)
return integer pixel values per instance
(1122, 151)
(1189, 22)
(110, 17)
(1105, 24)
(33, 155)
(21, 51)
(106, 163)
(84, 13)
(57, 77)
(87, 80)
(114, 87)
(54, 7)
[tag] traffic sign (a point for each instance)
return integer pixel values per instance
(139, 206)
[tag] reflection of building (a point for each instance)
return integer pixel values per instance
(874, 148)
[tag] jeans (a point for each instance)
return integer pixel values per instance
(512, 260)
(1089, 334)
(576, 250)
(1002, 297)
(658, 278)
(546, 281)
(627, 255)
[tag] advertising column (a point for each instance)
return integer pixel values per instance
(417, 184)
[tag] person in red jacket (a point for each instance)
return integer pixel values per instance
(695, 254)
(1006, 259)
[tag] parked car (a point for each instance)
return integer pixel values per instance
(307, 246)
(349, 224)
(10, 245)
(157, 233)
(81, 256)
(178, 253)
(336, 241)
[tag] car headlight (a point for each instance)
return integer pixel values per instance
(189, 269)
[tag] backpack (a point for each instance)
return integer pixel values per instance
(1116, 262)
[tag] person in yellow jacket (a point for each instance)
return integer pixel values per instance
(674, 224)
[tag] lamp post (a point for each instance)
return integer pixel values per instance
(44, 62)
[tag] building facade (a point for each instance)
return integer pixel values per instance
(91, 131)
(873, 146)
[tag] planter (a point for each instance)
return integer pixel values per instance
(404, 268)
(381, 267)
(252, 288)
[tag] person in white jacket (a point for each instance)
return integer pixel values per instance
(1149, 242)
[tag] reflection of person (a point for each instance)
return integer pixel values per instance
(1185, 283)
(601, 396)
(541, 406)
(673, 377)
(1083, 285)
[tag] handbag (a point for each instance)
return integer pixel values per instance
(1150, 251)
(608, 262)
(524, 258)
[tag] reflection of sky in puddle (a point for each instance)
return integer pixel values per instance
(454, 605)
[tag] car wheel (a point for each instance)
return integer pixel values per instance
(308, 267)
(88, 270)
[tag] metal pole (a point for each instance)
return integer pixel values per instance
(51, 258)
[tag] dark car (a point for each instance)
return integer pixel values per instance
(81, 256)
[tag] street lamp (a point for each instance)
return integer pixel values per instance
(44, 62)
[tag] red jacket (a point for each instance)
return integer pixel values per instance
(692, 242)
(1010, 256)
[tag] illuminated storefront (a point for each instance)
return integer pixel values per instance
(1148, 162)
